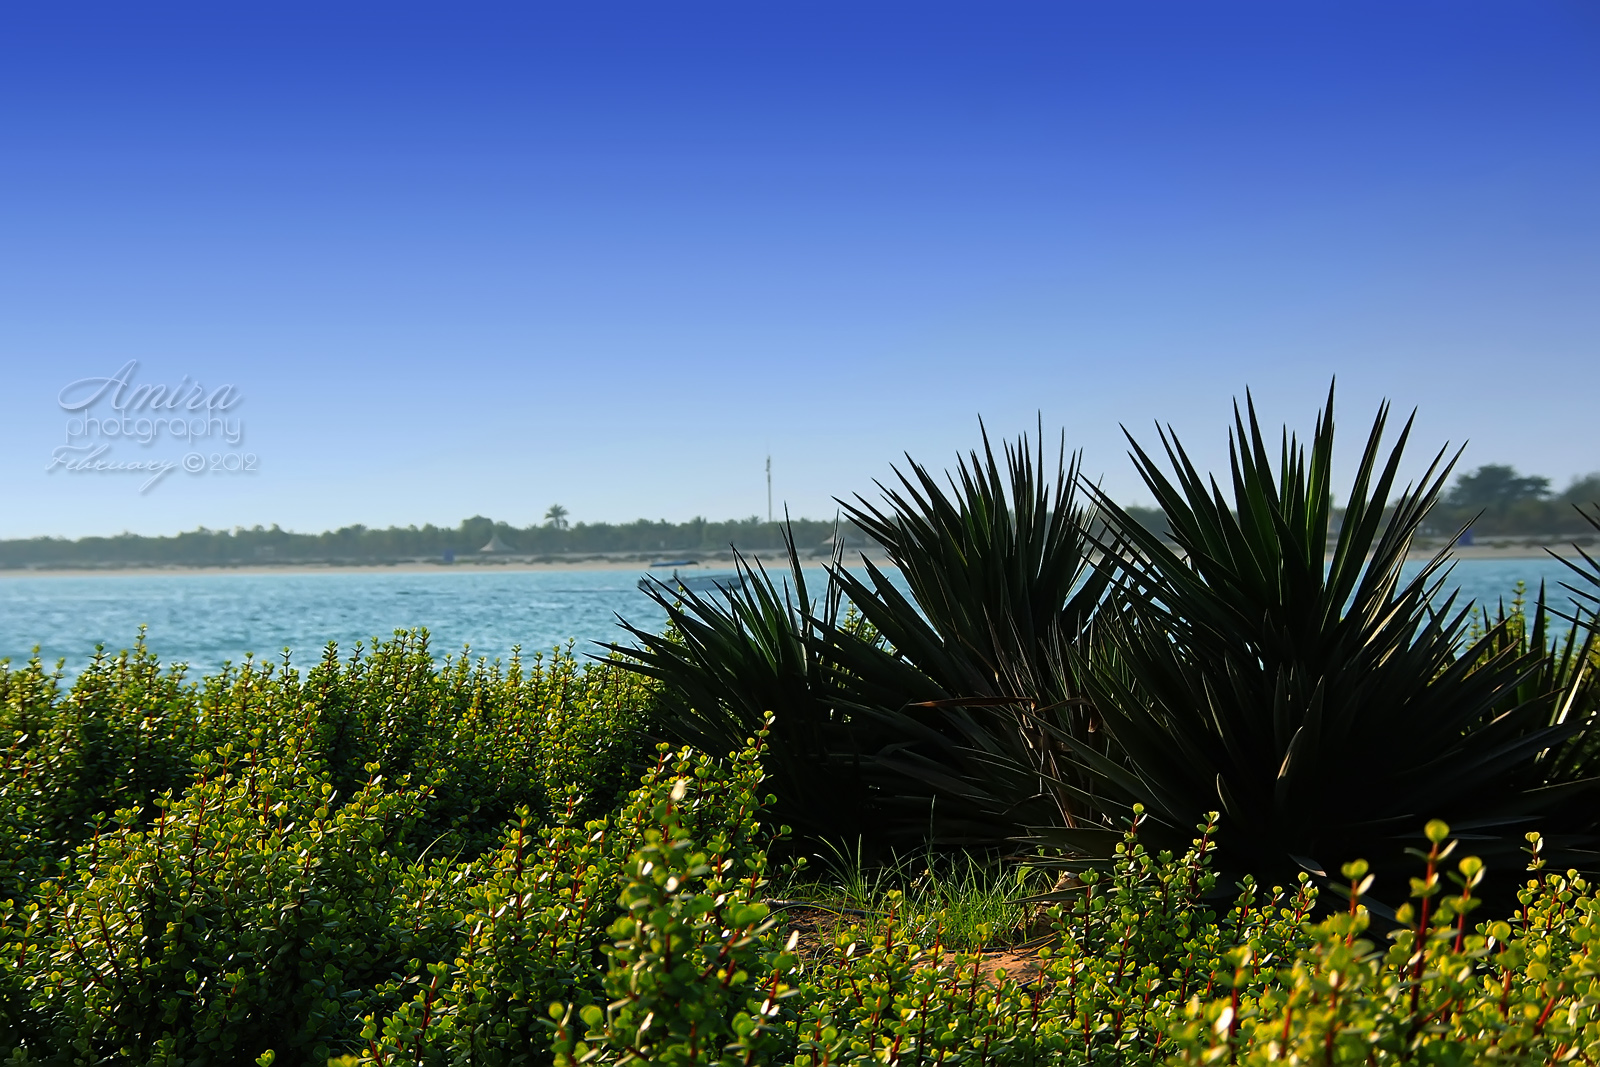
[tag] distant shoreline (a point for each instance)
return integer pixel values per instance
(492, 565)
(505, 564)
(1564, 549)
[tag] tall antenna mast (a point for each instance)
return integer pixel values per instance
(769, 488)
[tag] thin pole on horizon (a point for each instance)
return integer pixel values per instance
(769, 488)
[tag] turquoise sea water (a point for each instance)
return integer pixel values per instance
(206, 618)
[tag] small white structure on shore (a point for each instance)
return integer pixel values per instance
(497, 546)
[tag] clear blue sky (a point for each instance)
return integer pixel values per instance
(470, 258)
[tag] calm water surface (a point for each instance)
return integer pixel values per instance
(205, 619)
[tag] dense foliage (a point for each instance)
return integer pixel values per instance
(729, 659)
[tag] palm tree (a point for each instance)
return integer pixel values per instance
(556, 517)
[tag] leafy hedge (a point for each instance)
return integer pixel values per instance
(194, 871)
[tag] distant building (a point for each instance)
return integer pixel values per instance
(496, 546)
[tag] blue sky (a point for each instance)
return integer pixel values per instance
(477, 258)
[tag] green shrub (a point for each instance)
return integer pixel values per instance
(1134, 942)
(487, 738)
(123, 734)
(195, 872)
(252, 912)
(686, 853)
(689, 981)
(1446, 991)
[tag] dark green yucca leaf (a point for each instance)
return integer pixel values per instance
(1586, 595)
(1284, 671)
(998, 565)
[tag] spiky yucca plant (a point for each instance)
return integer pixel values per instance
(998, 562)
(935, 719)
(1283, 669)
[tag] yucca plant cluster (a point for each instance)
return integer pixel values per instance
(1055, 662)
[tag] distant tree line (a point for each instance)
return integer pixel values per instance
(555, 537)
(1495, 500)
